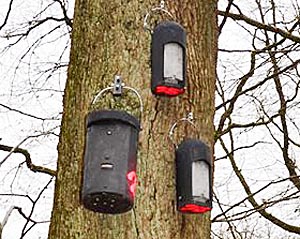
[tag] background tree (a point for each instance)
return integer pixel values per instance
(256, 123)
(32, 83)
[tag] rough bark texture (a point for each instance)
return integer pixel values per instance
(108, 39)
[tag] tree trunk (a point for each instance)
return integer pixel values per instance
(108, 39)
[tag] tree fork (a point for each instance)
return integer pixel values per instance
(108, 39)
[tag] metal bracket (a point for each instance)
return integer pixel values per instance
(116, 89)
(117, 86)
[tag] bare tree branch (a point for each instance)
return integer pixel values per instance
(228, 222)
(252, 200)
(32, 26)
(247, 198)
(7, 14)
(242, 148)
(260, 83)
(18, 195)
(25, 230)
(282, 111)
(7, 215)
(29, 163)
(239, 17)
(63, 8)
(19, 209)
(24, 113)
(240, 86)
(266, 204)
(230, 2)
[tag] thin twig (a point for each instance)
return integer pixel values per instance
(28, 161)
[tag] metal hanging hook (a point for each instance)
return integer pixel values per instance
(156, 9)
(117, 88)
(189, 119)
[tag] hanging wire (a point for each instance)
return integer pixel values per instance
(189, 119)
(161, 8)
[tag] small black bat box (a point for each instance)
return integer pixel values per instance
(193, 177)
(168, 59)
(109, 179)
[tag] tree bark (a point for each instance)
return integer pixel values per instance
(108, 39)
